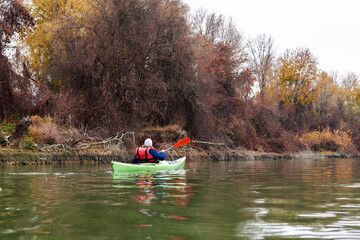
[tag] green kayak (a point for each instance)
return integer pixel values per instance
(162, 165)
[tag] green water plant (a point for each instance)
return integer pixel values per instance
(28, 143)
(6, 127)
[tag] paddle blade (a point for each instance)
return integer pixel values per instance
(181, 142)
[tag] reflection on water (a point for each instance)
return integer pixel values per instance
(156, 187)
(277, 199)
(308, 201)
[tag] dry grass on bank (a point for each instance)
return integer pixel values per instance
(46, 134)
(44, 130)
(327, 140)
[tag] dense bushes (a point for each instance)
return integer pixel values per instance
(115, 65)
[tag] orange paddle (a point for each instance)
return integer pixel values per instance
(179, 143)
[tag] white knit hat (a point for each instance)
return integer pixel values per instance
(148, 142)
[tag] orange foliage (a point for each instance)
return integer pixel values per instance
(138, 64)
(327, 140)
(297, 74)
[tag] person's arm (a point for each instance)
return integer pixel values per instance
(155, 154)
(134, 160)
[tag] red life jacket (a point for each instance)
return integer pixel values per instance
(143, 154)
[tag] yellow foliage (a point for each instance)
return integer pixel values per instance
(271, 95)
(325, 140)
(49, 15)
(297, 74)
(36, 119)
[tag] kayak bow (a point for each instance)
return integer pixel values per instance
(142, 167)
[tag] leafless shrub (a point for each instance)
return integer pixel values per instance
(44, 130)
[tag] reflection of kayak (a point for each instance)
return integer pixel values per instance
(162, 165)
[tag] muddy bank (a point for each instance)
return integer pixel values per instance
(36, 158)
(270, 156)
(25, 158)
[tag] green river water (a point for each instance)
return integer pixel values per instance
(272, 199)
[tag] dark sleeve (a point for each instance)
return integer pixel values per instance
(155, 154)
(134, 160)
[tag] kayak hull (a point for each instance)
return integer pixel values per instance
(119, 167)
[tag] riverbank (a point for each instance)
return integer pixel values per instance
(39, 140)
(27, 157)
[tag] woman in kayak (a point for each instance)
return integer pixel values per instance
(148, 154)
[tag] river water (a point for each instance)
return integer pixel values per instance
(272, 199)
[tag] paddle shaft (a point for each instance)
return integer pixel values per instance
(168, 149)
(179, 143)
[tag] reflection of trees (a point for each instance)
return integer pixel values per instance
(145, 184)
(156, 186)
(275, 194)
(182, 193)
(32, 194)
(164, 194)
(297, 170)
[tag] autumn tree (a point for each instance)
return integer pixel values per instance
(117, 63)
(330, 104)
(297, 74)
(14, 18)
(223, 84)
(351, 85)
(49, 17)
(261, 61)
(350, 81)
